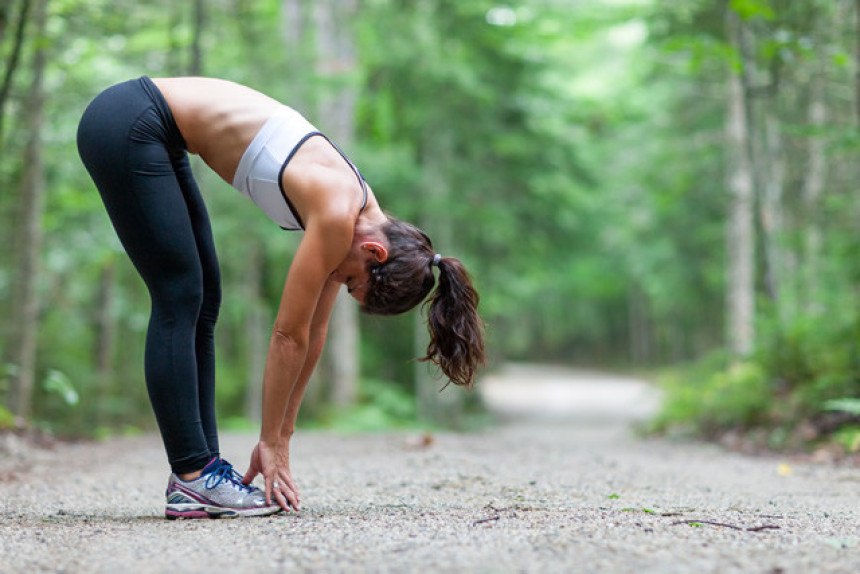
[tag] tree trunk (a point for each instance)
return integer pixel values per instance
(446, 407)
(4, 18)
(772, 166)
(299, 47)
(336, 60)
(106, 338)
(299, 44)
(173, 49)
(857, 62)
(766, 158)
(814, 180)
(12, 62)
(32, 191)
(637, 326)
(294, 21)
(741, 240)
(195, 68)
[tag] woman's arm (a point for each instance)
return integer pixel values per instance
(319, 253)
(319, 330)
(307, 295)
(286, 485)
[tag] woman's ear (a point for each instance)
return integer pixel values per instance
(377, 250)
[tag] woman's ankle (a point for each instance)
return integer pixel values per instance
(186, 476)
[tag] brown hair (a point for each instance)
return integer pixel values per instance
(406, 278)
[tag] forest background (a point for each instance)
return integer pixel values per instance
(633, 184)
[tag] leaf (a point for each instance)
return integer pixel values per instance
(57, 382)
(850, 406)
(748, 9)
(841, 59)
(7, 419)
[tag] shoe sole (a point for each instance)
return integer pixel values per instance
(174, 511)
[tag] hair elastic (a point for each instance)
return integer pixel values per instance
(435, 262)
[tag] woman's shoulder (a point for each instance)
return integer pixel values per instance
(321, 184)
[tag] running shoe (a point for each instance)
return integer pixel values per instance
(217, 493)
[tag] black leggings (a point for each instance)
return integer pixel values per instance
(129, 142)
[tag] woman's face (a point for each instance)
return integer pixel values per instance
(353, 273)
(354, 270)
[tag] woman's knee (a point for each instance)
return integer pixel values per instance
(182, 295)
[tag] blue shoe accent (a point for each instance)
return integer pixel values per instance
(178, 498)
(217, 493)
(225, 472)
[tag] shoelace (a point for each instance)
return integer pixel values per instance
(226, 472)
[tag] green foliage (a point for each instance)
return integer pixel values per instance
(814, 359)
(848, 437)
(238, 424)
(799, 371)
(748, 9)
(704, 401)
(58, 383)
(807, 348)
(381, 406)
(571, 154)
(850, 406)
(106, 433)
(7, 419)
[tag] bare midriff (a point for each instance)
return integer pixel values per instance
(217, 118)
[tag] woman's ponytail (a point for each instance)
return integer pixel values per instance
(406, 278)
(456, 330)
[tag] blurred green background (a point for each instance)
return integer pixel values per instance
(648, 185)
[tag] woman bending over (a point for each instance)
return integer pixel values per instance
(134, 139)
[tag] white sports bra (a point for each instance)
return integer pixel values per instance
(258, 175)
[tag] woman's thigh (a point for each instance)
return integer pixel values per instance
(123, 142)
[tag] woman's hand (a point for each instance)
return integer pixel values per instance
(296, 343)
(274, 464)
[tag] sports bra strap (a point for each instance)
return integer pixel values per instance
(355, 170)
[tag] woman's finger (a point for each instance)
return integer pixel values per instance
(288, 489)
(252, 468)
(250, 474)
(282, 500)
(270, 489)
(293, 497)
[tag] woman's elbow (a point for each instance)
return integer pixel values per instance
(289, 341)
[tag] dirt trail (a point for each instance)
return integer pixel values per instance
(571, 490)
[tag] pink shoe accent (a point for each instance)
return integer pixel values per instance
(188, 514)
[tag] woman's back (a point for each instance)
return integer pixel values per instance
(217, 118)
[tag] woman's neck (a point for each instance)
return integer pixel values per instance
(370, 220)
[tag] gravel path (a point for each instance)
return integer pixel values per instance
(570, 491)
